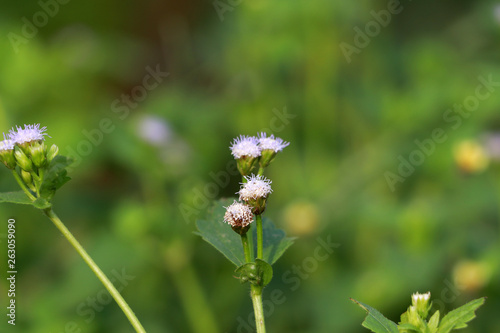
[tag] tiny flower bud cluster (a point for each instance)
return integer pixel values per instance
(248, 150)
(24, 151)
(418, 310)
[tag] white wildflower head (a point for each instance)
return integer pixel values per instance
(256, 187)
(239, 216)
(245, 146)
(27, 134)
(246, 151)
(271, 143)
(255, 192)
(270, 146)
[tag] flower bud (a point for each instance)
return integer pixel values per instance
(239, 216)
(38, 154)
(420, 302)
(53, 151)
(7, 154)
(22, 160)
(27, 178)
(270, 146)
(246, 151)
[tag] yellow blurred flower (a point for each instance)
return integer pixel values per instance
(470, 275)
(470, 156)
(301, 218)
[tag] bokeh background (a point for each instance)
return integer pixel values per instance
(382, 162)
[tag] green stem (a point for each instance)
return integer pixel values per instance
(23, 186)
(97, 271)
(261, 171)
(256, 294)
(246, 248)
(260, 236)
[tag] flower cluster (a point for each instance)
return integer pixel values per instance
(25, 147)
(24, 151)
(255, 189)
(248, 150)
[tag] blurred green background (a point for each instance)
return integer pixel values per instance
(393, 157)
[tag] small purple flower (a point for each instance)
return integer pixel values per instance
(27, 134)
(245, 146)
(271, 143)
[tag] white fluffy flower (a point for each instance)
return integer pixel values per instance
(271, 143)
(245, 146)
(238, 215)
(27, 134)
(6, 144)
(256, 187)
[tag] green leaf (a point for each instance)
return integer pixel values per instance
(459, 317)
(275, 241)
(55, 176)
(259, 273)
(375, 321)
(42, 203)
(408, 327)
(18, 197)
(220, 235)
(434, 322)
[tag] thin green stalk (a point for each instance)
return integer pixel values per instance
(260, 237)
(246, 248)
(23, 186)
(97, 271)
(261, 171)
(256, 293)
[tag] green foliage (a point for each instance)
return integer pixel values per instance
(220, 235)
(413, 323)
(18, 197)
(55, 177)
(459, 317)
(259, 273)
(375, 321)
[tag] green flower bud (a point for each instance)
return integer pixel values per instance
(267, 156)
(53, 151)
(22, 160)
(38, 154)
(246, 165)
(421, 304)
(7, 154)
(27, 178)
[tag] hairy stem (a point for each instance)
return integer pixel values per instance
(97, 271)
